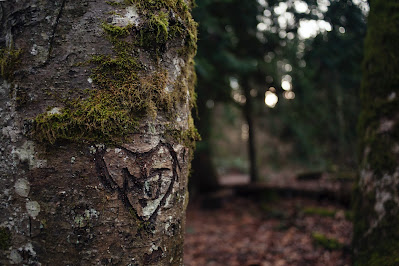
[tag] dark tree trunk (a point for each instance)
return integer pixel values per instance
(376, 225)
(97, 136)
(248, 114)
(203, 178)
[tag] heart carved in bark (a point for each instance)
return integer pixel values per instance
(143, 173)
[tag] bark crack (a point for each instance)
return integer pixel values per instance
(30, 227)
(51, 42)
(124, 197)
(175, 164)
(102, 169)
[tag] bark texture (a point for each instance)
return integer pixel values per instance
(376, 227)
(97, 136)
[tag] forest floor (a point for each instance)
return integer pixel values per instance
(269, 230)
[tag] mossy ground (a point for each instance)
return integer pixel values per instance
(325, 242)
(125, 90)
(319, 211)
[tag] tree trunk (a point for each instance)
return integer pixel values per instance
(248, 115)
(204, 177)
(376, 227)
(97, 135)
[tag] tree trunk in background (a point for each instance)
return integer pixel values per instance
(376, 225)
(97, 135)
(248, 115)
(203, 178)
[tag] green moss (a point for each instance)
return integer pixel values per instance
(380, 79)
(178, 6)
(186, 137)
(116, 31)
(111, 113)
(378, 244)
(9, 61)
(325, 242)
(381, 245)
(125, 91)
(5, 238)
(382, 159)
(161, 26)
(319, 211)
(113, 3)
(154, 33)
(21, 98)
(159, 23)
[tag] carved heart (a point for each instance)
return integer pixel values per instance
(144, 177)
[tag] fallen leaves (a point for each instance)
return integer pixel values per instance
(246, 232)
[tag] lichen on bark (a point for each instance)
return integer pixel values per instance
(116, 111)
(376, 196)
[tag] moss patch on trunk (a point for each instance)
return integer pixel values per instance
(376, 231)
(125, 90)
(9, 61)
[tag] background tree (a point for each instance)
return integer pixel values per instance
(97, 133)
(376, 226)
(228, 48)
(212, 86)
(326, 75)
(259, 52)
(246, 52)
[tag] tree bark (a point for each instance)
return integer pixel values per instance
(97, 135)
(376, 225)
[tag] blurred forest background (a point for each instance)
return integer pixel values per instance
(278, 85)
